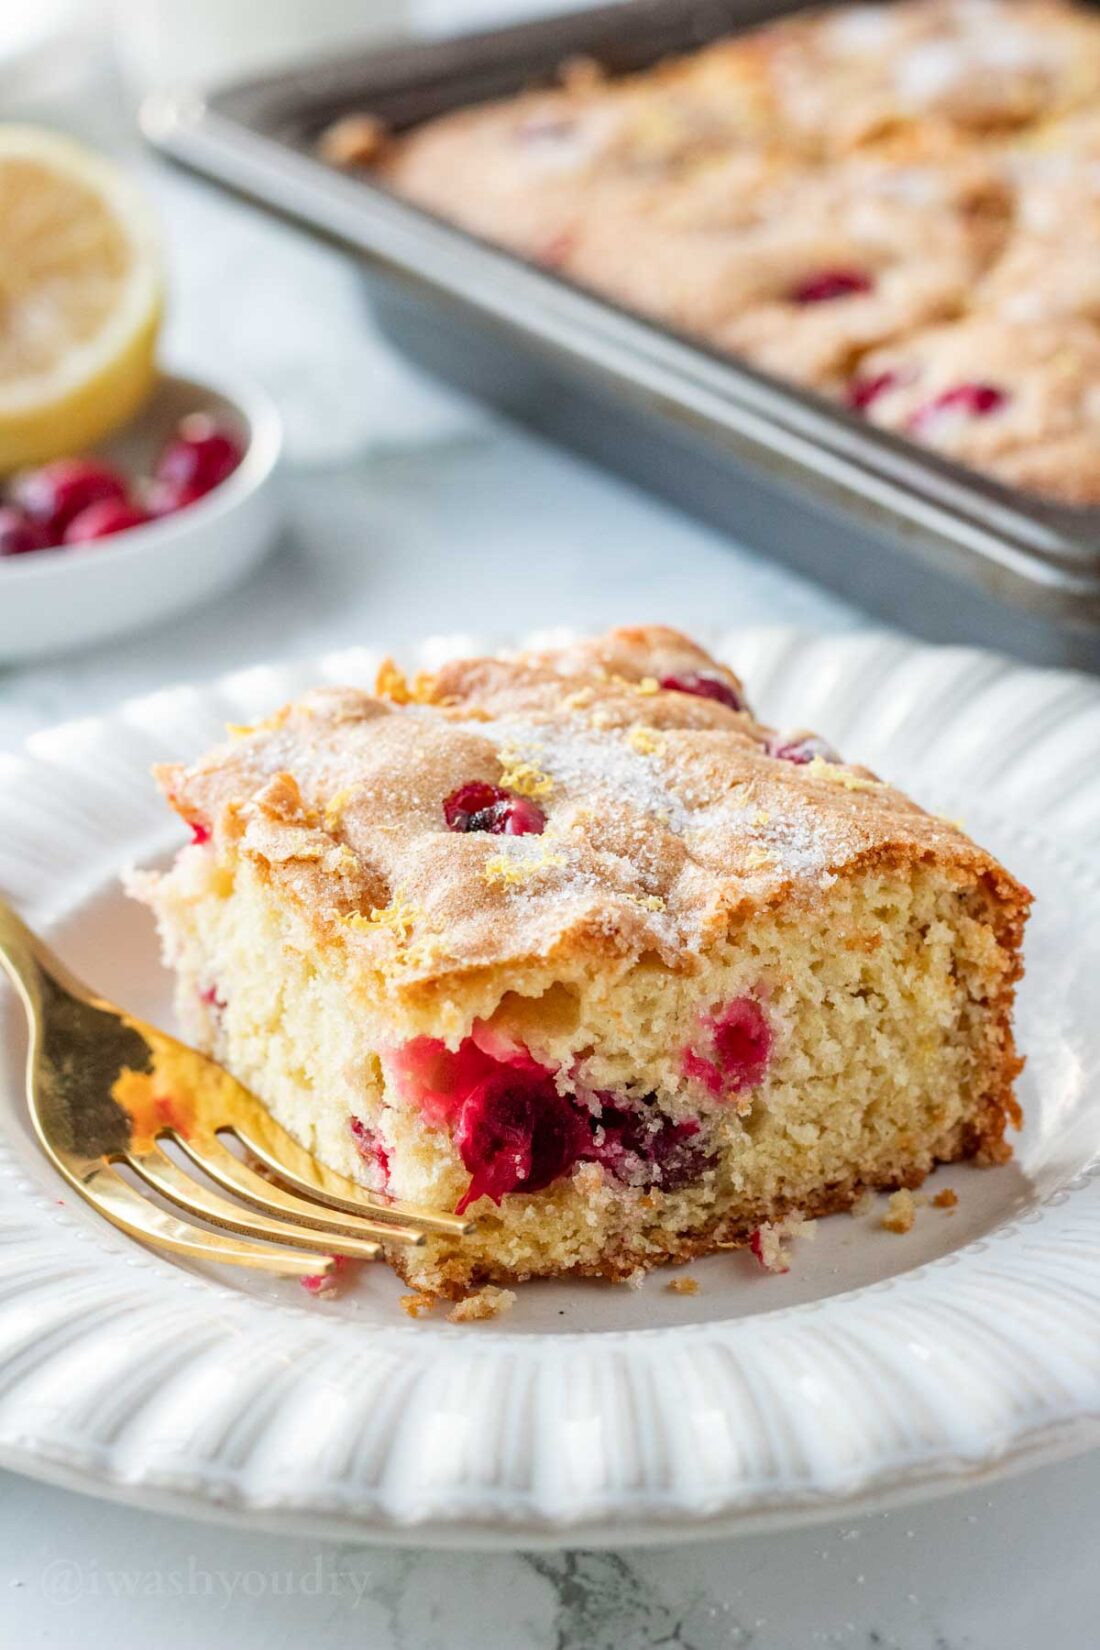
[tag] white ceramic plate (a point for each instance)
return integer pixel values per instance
(56, 600)
(880, 1367)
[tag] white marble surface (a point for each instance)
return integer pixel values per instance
(411, 512)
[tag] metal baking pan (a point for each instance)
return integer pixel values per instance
(939, 549)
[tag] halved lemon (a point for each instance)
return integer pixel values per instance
(81, 297)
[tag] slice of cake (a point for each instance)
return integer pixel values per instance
(571, 942)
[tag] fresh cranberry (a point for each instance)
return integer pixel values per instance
(963, 401)
(164, 498)
(517, 1133)
(862, 392)
(481, 807)
(203, 452)
(103, 521)
(828, 284)
(19, 535)
(800, 748)
(211, 999)
(200, 832)
(704, 687)
(738, 1048)
(57, 493)
(370, 1147)
(640, 1147)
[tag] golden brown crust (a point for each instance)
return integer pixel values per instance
(667, 815)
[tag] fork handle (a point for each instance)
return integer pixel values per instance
(27, 958)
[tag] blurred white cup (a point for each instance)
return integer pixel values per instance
(176, 42)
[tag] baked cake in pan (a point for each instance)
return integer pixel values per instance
(570, 941)
(827, 186)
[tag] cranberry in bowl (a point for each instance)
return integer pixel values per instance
(174, 508)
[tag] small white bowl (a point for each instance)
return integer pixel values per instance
(55, 600)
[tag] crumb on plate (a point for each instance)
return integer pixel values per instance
(489, 1302)
(417, 1305)
(901, 1212)
(769, 1243)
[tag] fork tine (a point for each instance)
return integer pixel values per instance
(157, 1169)
(280, 1152)
(217, 1161)
(125, 1207)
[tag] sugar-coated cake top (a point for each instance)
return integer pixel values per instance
(612, 797)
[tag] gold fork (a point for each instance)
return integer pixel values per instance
(106, 1089)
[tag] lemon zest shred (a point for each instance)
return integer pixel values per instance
(820, 769)
(399, 917)
(644, 740)
(336, 807)
(511, 873)
(523, 777)
(647, 902)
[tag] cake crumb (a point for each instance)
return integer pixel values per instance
(947, 1199)
(489, 1302)
(682, 1286)
(417, 1305)
(864, 1203)
(901, 1213)
(635, 1279)
(769, 1242)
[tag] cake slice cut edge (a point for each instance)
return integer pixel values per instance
(571, 942)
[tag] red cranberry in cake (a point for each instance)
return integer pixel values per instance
(438, 1080)
(957, 405)
(641, 1147)
(557, 249)
(545, 128)
(517, 1133)
(57, 493)
(19, 535)
(861, 393)
(368, 1144)
(482, 807)
(200, 832)
(829, 284)
(735, 1051)
(103, 521)
(704, 686)
(202, 454)
(800, 748)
